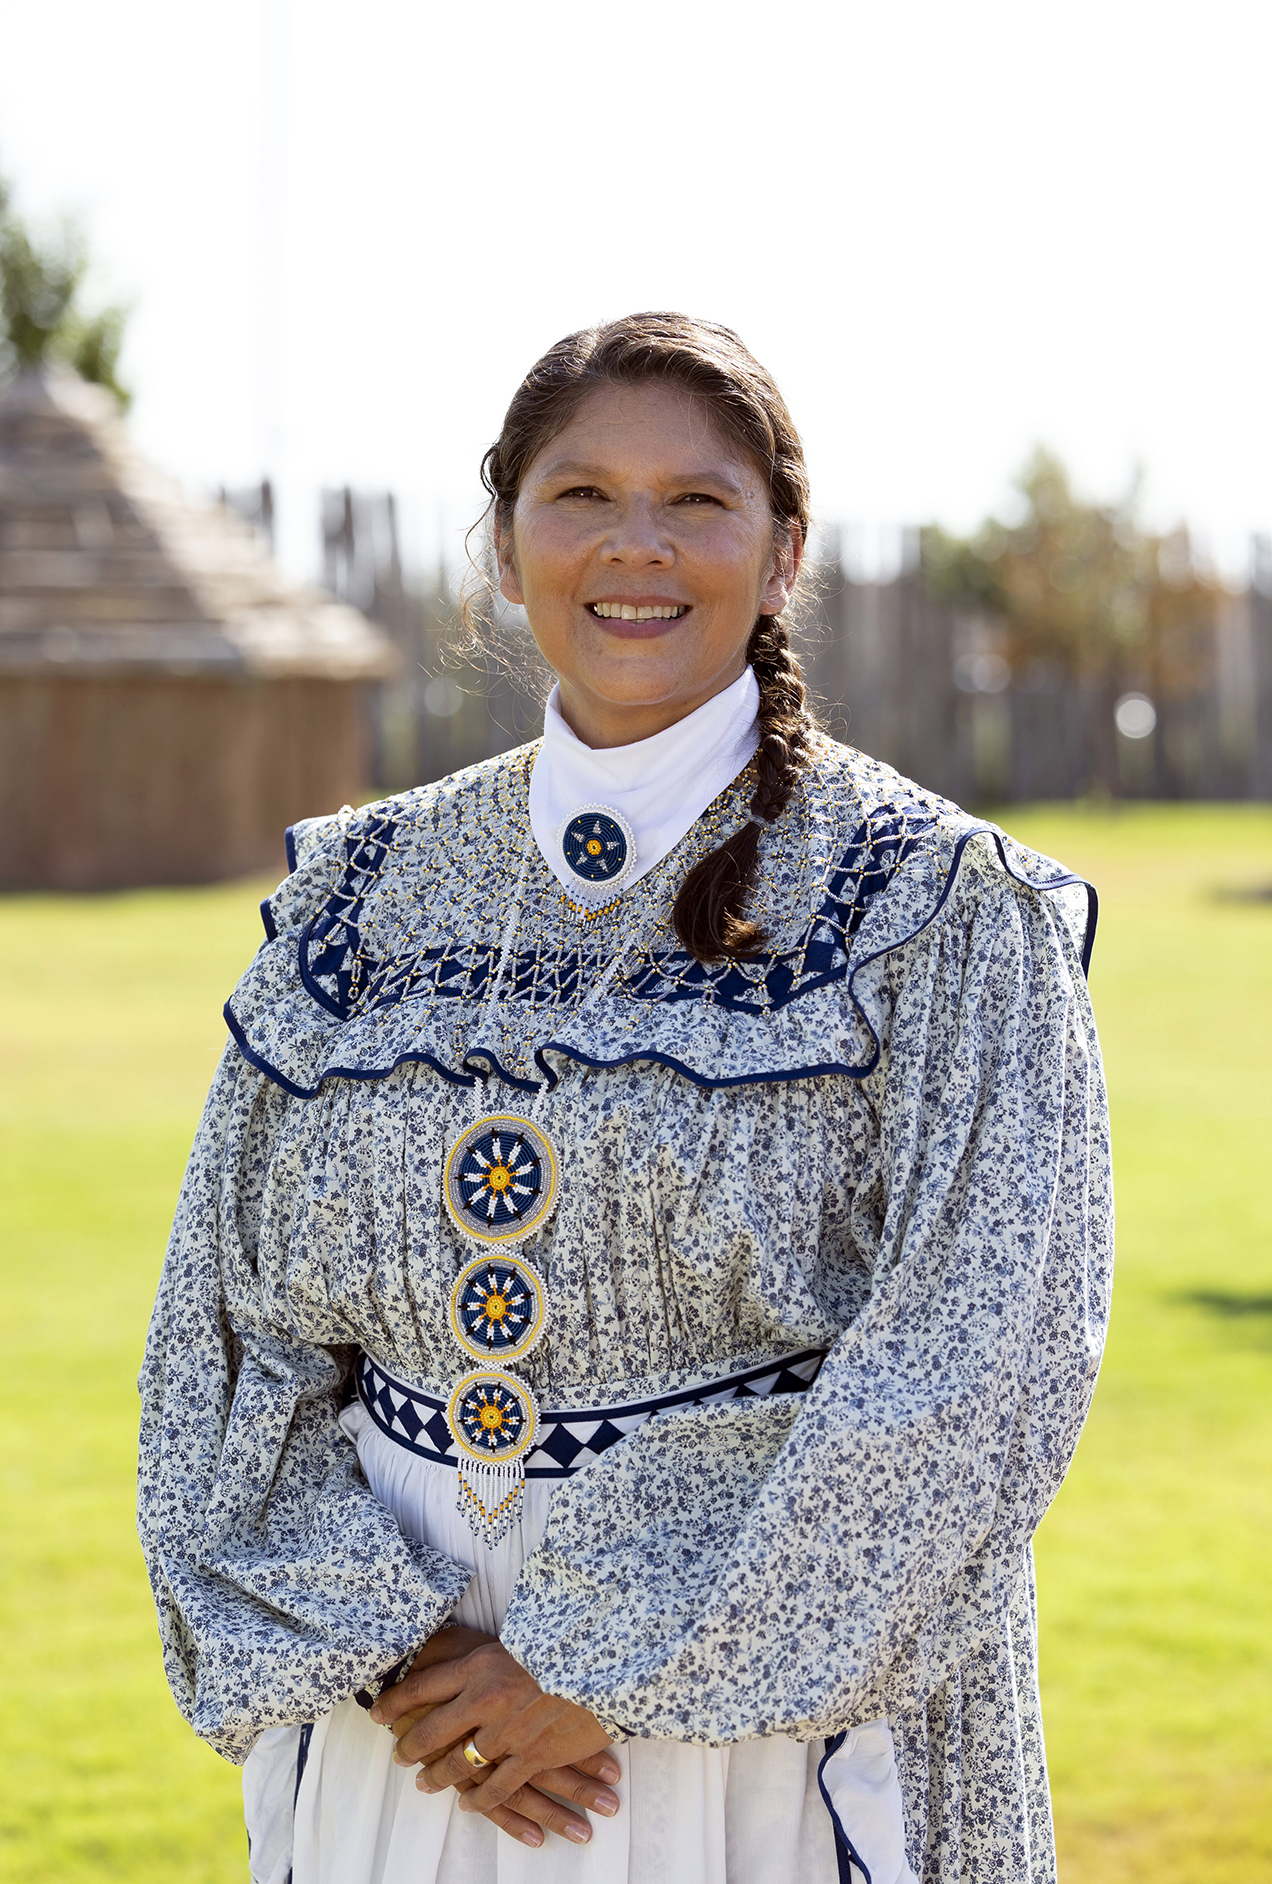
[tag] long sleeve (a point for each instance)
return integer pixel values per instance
(282, 1586)
(801, 1568)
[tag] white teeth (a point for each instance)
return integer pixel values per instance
(626, 611)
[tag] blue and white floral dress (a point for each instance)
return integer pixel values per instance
(827, 1279)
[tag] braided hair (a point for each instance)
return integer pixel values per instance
(711, 363)
(709, 908)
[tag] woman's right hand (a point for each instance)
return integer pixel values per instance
(529, 1812)
(444, 1645)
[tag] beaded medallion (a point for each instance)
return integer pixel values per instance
(501, 1179)
(493, 1419)
(498, 1308)
(598, 847)
(493, 1416)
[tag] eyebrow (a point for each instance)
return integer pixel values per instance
(586, 473)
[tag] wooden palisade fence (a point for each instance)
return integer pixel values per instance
(901, 675)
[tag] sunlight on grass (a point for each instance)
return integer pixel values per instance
(1152, 1565)
(108, 1039)
(1157, 1623)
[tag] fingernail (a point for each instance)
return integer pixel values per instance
(377, 1715)
(611, 1772)
(425, 1784)
(606, 1803)
(398, 1760)
(531, 1838)
(577, 1833)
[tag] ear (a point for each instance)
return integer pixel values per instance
(788, 554)
(505, 562)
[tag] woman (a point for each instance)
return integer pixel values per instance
(643, 1266)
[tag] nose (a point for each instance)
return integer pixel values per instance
(637, 538)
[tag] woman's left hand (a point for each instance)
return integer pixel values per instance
(487, 1696)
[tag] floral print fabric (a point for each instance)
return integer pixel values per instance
(886, 1136)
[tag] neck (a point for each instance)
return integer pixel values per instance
(602, 723)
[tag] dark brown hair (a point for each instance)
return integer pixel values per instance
(710, 363)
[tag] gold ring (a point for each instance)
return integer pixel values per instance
(471, 1754)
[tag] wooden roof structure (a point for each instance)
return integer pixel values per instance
(104, 564)
(168, 699)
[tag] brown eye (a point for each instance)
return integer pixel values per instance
(581, 490)
(698, 497)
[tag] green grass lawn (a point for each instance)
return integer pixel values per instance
(1153, 1564)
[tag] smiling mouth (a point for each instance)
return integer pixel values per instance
(629, 611)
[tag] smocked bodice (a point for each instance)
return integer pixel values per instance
(694, 1227)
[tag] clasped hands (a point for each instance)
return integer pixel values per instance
(464, 1683)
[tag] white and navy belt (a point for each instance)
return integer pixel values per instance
(565, 1442)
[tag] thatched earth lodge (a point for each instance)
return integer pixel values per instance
(168, 702)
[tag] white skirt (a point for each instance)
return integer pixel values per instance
(751, 1813)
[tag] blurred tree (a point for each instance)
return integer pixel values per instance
(41, 320)
(1083, 593)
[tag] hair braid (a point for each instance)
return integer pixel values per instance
(708, 912)
(783, 719)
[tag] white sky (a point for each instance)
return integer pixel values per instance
(948, 229)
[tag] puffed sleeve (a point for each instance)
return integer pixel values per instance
(282, 1586)
(797, 1569)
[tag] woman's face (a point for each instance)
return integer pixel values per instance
(643, 549)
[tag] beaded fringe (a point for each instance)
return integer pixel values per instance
(490, 1497)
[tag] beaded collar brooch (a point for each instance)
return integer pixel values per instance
(598, 848)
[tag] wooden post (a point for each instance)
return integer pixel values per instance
(1261, 647)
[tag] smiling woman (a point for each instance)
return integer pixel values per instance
(644, 548)
(643, 1267)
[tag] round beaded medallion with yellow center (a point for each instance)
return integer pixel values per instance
(498, 1307)
(501, 1179)
(493, 1418)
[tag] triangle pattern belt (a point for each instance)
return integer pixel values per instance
(562, 1442)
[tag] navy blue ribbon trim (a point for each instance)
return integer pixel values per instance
(376, 844)
(846, 1853)
(328, 947)
(364, 1697)
(649, 1056)
(302, 1757)
(1066, 881)
(302, 1761)
(272, 1072)
(428, 1436)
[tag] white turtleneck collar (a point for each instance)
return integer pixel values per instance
(658, 787)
